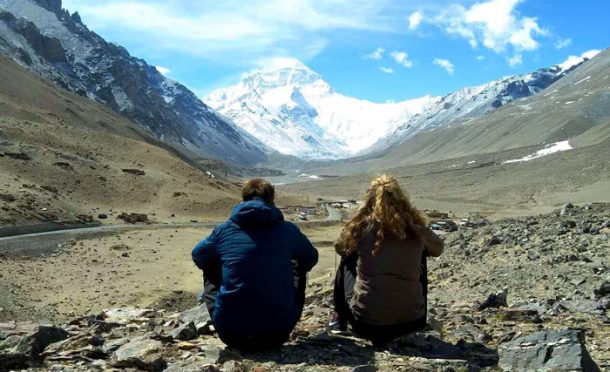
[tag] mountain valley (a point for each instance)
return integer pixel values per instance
(110, 173)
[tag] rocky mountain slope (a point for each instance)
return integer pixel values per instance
(573, 109)
(293, 110)
(566, 110)
(64, 157)
(47, 40)
(517, 294)
(473, 102)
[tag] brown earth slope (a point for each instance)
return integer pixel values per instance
(62, 155)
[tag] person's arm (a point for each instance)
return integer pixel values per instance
(206, 251)
(433, 243)
(305, 253)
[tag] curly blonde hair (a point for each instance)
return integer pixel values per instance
(386, 209)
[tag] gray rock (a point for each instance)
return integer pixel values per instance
(495, 300)
(603, 290)
(234, 366)
(364, 368)
(34, 343)
(22, 344)
(546, 351)
(184, 332)
(191, 366)
(216, 355)
(580, 306)
(520, 315)
(141, 352)
(200, 317)
(111, 346)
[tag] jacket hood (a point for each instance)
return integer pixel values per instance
(256, 213)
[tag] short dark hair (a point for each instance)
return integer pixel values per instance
(258, 188)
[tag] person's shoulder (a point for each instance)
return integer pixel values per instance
(225, 226)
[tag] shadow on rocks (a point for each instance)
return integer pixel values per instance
(322, 349)
(430, 346)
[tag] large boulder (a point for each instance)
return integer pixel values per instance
(22, 344)
(141, 352)
(547, 351)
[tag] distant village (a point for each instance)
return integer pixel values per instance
(318, 210)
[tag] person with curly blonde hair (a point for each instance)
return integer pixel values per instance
(381, 283)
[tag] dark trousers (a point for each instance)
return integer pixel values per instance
(211, 286)
(345, 280)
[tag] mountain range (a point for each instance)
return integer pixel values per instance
(47, 40)
(287, 114)
(292, 109)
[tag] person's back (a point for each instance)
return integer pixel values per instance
(381, 284)
(389, 287)
(257, 304)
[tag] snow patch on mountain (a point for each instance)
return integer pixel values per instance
(572, 61)
(547, 150)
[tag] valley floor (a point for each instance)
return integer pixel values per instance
(135, 268)
(483, 184)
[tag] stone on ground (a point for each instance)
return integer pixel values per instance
(546, 351)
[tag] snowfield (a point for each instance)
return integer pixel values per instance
(293, 110)
(549, 149)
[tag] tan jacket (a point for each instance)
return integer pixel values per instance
(388, 288)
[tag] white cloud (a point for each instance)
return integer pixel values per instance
(415, 20)
(574, 60)
(480, 57)
(563, 43)
(515, 60)
(375, 55)
(402, 58)
(163, 70)
(446, 64)
(495, 24)
(387, 70)
(223, 30)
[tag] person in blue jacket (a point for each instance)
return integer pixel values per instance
(254, 268)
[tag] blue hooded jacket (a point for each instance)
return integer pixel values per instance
(255, 249)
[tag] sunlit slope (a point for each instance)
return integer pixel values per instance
(62, 155)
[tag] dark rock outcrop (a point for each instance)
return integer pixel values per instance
(547, 351)
(134, 217)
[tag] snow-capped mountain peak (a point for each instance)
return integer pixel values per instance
(292, 109)
(289, 73)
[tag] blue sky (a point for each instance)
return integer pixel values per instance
(371, 49)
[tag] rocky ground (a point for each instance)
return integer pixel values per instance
(529, 293)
